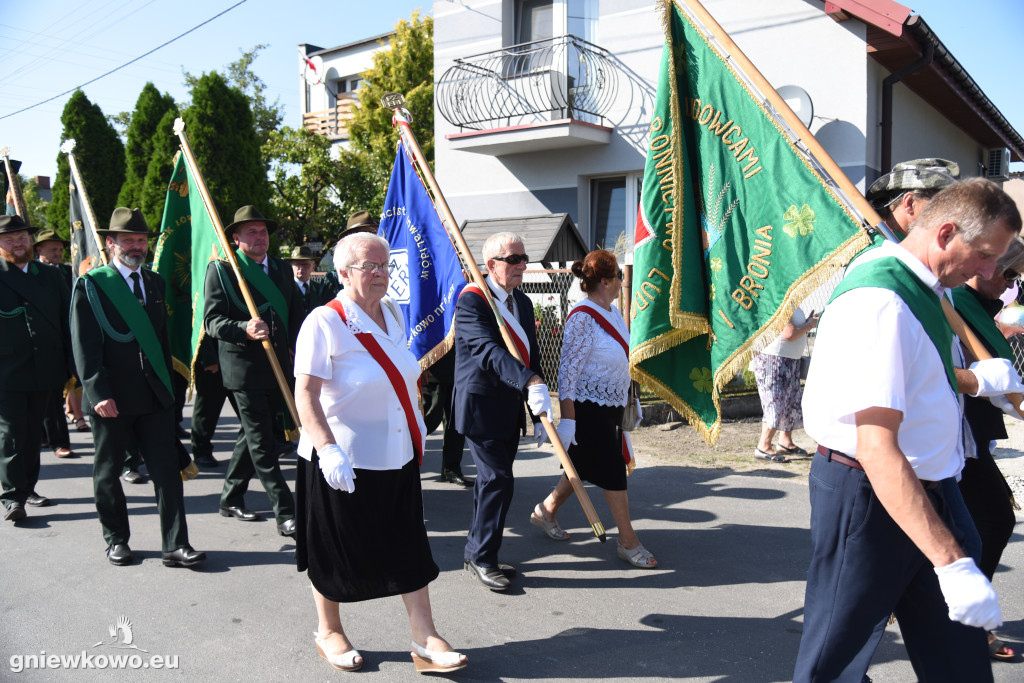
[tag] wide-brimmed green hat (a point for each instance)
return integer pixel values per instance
(249, 214)
(360, 221)
(14, 224)
(302, 253)
(50, 236)
(125, 221)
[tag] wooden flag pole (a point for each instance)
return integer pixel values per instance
(395, 102)
(77, 177)
(229, 251)
(19, 200)
(850, 190)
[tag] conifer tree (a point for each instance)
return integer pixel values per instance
(143, 137)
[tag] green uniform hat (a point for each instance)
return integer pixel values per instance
(360, 221)
(50, 236)
(917, 174)
(125, 221)
(14, 224)
(249, 214)
(302, 253)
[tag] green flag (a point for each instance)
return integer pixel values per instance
(187, 244)
(735, 228)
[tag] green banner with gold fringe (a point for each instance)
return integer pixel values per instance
(735, 228)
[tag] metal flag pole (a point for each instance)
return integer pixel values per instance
(820, 156)
(69, 145)
(229, 252)
(396, 102)
(19, 201)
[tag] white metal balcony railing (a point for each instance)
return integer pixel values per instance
(558, 78)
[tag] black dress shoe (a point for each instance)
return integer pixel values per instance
(455, 478)
(119, 554)
(133, 477)
(206, 460)
(287, 528)
(183, 557)
(15, 512)
(492, 577)
(35, 500)
(244, 514)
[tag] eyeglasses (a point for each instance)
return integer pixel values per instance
(371, 268)
(618, 273)
(513, 259)
(1010, 275)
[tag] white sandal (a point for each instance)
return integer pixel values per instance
(346, 661)
(553, 531)
(638, 556)
(429, 661)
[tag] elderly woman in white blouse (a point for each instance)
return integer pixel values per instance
(593, 388)
(360, 531)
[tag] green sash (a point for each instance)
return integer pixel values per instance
(968, 306)
(254, 275)
(114, 286)
(892, 274)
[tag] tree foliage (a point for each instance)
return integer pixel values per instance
(407, 67)
(36, 205)
(158, 171)
(219, 126)
(143, 137)
(99, 154)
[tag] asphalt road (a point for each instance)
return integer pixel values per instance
(725, 604)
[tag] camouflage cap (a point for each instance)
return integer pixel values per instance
(917, 174)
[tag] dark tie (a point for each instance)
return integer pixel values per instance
(305, 289)
(265, 271)
(510, 305)
(137, 288)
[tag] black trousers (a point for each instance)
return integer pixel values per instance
(254, 454)
(209, 401)
(987, 496)
(55, 422)
(153, 434)
(864, 568)
(492, 496)
(453, 444)
(21, 433)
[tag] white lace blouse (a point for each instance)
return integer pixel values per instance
(593, 366)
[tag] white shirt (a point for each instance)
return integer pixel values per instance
(126, 273)
(362, 409)
(791, 348)
(593, 366)
(871, 351)
(302, 286)
(500, 295)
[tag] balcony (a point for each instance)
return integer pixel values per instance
(548, 94)
(332, 123)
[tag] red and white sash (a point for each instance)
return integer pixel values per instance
(397, 381)
(515, 328)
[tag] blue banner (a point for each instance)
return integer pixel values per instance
(427, 277)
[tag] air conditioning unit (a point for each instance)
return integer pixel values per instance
(997, 163)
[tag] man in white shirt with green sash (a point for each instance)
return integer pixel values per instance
(881, 400)
(122, 352)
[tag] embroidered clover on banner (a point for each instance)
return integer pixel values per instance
(800, 221)
(716, 265)
(702, 379)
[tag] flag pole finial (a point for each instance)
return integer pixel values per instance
(68, 145)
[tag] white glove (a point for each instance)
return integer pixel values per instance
(969, 595)
(996, 376)
(1004, 404)
(539, 399)
(639, 414)
(539, 434)
(337, 468)
(566, 432)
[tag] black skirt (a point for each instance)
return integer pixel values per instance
(597, 455)
(368, 544)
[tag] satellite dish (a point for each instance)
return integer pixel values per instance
(313, 70)
(799, 101)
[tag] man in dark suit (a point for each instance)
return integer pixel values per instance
(123, 355)
(35, 361)
(244, 367)
(313, 294)
(490, 385)
(49, 248)
(210, 395)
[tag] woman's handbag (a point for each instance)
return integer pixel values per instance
(632, 411)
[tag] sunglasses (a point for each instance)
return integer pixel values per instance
(1010, 275)
(371, 268)
(513, 259)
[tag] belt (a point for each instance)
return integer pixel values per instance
(843, 459)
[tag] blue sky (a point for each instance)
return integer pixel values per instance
(48, 47)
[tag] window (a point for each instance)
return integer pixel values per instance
(613, 205)
(534, 20)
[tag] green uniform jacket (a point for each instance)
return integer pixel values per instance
(243, 362)
(35, 338)
(113, 369)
